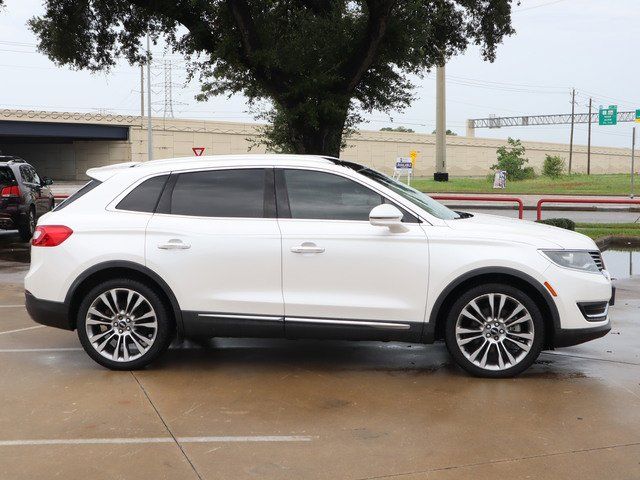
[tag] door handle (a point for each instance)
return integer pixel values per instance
(307, 247)
(174, 244)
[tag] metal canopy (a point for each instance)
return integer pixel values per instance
(66, 131)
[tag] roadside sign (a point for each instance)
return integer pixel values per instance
(608, 116)
(198, 151)
(403, 167)
(404, 164)
(638, 115)
(500, 179)
(413, 155)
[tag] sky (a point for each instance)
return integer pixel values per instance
(589, 45)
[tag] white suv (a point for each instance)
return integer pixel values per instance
(304, 247)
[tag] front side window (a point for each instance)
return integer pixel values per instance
(325, 196)
(416, 197)
(220, 193)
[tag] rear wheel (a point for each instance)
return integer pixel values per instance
(494, 330)
(124, 325)
(27, 228)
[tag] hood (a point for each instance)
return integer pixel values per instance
(538, 235)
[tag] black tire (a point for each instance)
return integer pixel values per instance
(478, 293)
(27, 228)
(163, 333)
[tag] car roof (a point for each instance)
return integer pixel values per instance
(140, 169)
(6, 160)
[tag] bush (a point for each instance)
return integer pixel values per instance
(565, 223)
(511, 159)
(553, 166)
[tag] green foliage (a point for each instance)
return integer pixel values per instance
(565, 223)
(511, 159)
(397, 129)
(553, 166)
(308, 65)
(448, 132)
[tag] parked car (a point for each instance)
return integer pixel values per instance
(304, 247)
(24, 196)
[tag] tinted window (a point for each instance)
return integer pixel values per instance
(144, 197)
(83, 191)
(6, 176)
(319, 195)
(27, 174)
(36, 178)
(220, 193)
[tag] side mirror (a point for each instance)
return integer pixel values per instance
(387, 215)
(46, 181)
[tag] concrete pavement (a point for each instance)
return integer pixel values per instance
(276, 409)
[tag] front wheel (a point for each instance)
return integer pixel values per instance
(123, 324)
(494, 330)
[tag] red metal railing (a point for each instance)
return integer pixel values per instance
(614, 201)
(484, 198)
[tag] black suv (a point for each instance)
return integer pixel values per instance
(24, 197)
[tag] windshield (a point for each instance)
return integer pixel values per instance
(409, 193)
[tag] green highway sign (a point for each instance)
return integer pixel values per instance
(638, 115)
(609, 116)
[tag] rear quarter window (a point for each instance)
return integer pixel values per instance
(6, 176)
(83, 191)
(144, 197)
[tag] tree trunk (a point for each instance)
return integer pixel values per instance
(322, 136)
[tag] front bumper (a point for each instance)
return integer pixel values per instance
(46, 312)
(566, 337)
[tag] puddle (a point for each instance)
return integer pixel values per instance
(622, 263)
(15, 252)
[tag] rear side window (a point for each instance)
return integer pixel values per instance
(27, 174)
(83, 191)
(144, 197)
(6, 176)
(325, 196)
(220, 193)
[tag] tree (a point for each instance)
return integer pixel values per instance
(397, 129)
(512, 160)
(448, 132)
(316, 62)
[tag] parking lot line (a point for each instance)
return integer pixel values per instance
(36, 350)
(11, 306)
(140, 440)
(21, 329)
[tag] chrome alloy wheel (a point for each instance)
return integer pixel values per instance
(121, 325)
(494, 331)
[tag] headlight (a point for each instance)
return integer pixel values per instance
(576, 259)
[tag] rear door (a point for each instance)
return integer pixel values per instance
(215, 240)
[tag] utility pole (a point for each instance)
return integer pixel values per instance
(589, 141)
(573, 107)
(441, 174)
(149, 125)
(141, 94)
(633, 154)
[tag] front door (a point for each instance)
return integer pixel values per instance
(217, 244)
(343, 277)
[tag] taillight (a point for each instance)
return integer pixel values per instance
(13, 191)
(50, 235)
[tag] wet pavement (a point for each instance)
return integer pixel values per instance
(276, 409)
